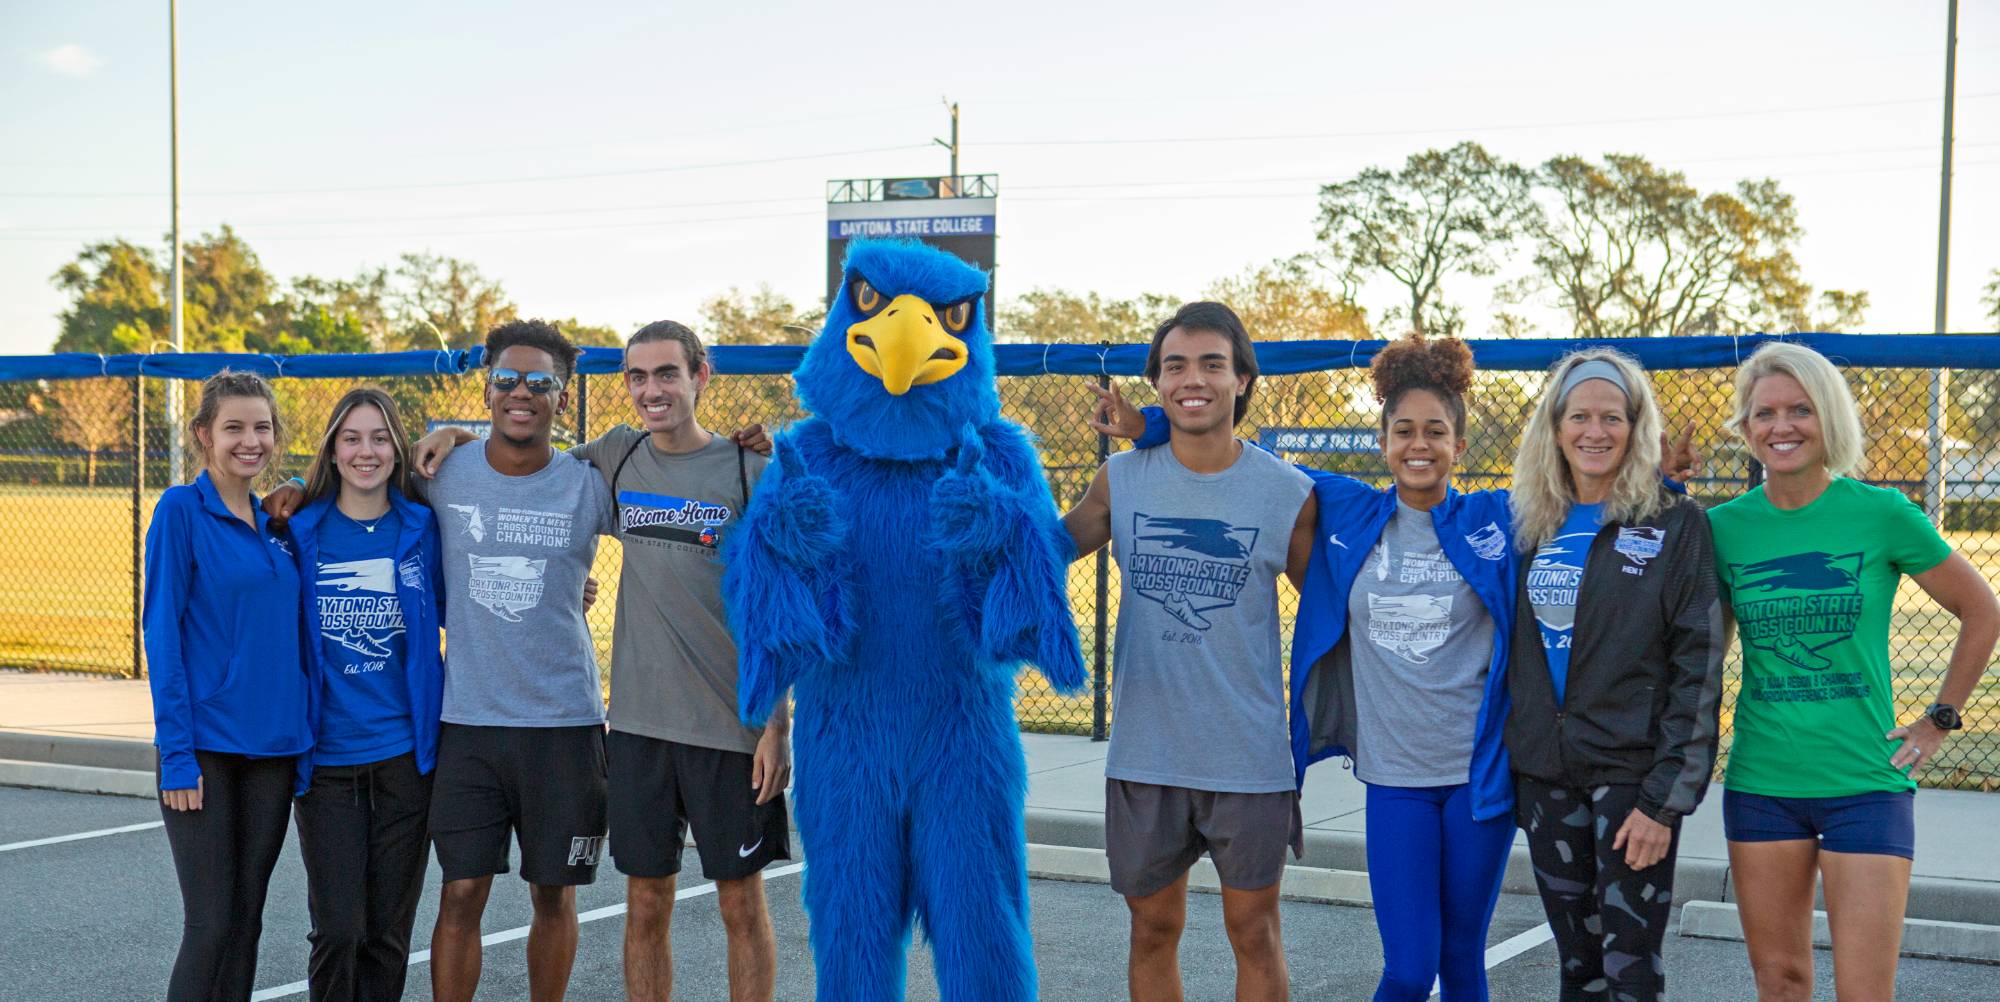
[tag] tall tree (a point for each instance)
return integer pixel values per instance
(116, 302)
(227, 292)
(1446, 212)
(91, 414)
(760, 316)
(437, 297)
(1633, 250)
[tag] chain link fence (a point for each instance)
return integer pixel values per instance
(76, 488)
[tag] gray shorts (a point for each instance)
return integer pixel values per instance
(1152, 834)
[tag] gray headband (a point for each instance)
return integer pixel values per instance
(1595, 368)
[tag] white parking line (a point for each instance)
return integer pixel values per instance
(521, 932)
(80, 836)
(1507, 949)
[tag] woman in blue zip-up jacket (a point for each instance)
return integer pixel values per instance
(369, 556)
(230, 696)
(1399, 661)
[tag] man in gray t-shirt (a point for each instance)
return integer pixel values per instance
(516, 550)
(678, 756)
(1421, 644)
(1200, 759)
(521, 749)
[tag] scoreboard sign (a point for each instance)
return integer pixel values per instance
(954, 214)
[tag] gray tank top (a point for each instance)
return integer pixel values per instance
(1198, 681)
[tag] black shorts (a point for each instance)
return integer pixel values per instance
(660, 788)
(546, 784)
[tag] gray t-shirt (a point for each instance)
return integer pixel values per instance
(1198, 685)
(673, 662)
(516, 550)
(1421, 644)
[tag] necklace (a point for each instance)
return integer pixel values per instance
(369, 526)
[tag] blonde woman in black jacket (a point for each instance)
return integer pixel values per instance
(1615, 679)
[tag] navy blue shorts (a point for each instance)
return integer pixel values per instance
(1882, 824)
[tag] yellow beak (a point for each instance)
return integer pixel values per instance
(905, 345)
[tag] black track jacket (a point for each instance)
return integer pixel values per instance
(1643, 695)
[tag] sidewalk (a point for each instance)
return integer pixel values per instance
(105, 725)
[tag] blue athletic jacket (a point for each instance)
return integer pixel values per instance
(1477, 536)
(1476, 532)
(223, 635)
(419, 587)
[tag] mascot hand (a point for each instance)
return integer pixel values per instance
(970, 516)
(804, 526)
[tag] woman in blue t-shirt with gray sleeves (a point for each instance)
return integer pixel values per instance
(223, 635)
(369, 557)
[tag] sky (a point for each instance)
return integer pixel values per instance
(620, 163)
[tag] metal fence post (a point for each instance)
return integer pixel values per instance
(138, 525)
(1099, 729)
(582, 408)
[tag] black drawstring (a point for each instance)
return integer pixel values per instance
(354, 784)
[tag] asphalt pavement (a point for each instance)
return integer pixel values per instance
(97, 918)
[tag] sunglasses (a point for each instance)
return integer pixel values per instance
(539, 382)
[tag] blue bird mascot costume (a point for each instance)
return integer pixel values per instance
(897, 563)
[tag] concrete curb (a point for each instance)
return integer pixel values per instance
(113, 766)
(102, 753)
(1926, 938)
(77, 778)
(1695, 878)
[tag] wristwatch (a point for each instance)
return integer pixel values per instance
(1944, 717)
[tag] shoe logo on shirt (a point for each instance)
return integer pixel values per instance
(744, 851)
(585, 849)
(1640, 543)
(469, 520)
(1794, 607)
(506, 586)
(1189, 565)
(1488, 543)
(363, 623)
(1409, 626)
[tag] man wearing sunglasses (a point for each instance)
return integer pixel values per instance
(679, 756)
(521, 749)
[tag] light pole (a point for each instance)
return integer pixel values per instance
(176, 460)
(1934, 486)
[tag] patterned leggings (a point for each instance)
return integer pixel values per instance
(1609, 920)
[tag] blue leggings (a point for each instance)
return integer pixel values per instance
(1435, 876)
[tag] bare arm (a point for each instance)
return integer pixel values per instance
(1300, 553)
(429, 452)
(1956, 586)
(1089, 523)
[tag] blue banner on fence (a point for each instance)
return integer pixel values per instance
(1274, 358)
(1344, 440)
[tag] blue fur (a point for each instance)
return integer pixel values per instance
(897, 595)
(923, 423)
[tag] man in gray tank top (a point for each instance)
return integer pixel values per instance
(1200, 757)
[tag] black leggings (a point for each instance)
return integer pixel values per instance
(364, 832)
(223, 855)
(1609, 920)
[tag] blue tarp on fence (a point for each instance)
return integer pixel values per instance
(1275, 358)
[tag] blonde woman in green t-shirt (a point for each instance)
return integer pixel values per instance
(1819, 778)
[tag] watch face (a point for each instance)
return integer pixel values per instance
(1945, 717)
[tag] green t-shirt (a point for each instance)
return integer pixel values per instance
(1813, 591)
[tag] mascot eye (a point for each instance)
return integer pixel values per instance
(957, 316)
(866, 298)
